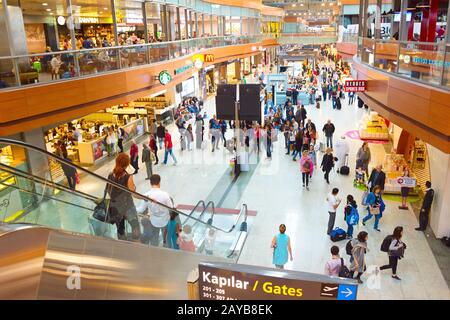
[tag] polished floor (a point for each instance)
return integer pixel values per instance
(273, 188)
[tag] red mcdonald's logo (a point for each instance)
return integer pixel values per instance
(208, 58)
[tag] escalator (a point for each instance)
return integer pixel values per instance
(33, 203)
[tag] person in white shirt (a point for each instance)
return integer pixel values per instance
(159, 215)
(333, 203)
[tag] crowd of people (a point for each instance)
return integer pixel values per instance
(301, 141)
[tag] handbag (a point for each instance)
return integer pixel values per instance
(374, 210)
(101, 210)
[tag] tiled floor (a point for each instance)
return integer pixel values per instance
(273, 188)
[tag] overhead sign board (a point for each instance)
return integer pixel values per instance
(355, 85)
(207, 58)
(221, 281)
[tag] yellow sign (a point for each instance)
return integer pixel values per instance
(203, 57)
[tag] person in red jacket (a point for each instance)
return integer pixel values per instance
(134, 156)
(154, 147)
(168, 145)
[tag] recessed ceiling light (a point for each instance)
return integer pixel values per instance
(331, 4)
(45, 4)
(100, 12)
(51, 13)
(105, 8)
(294, 5)
(301, 4)
(323, 4)
(48, 9)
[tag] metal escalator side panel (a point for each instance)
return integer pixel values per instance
(22, 255)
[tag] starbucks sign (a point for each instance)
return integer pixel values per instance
(164, 77)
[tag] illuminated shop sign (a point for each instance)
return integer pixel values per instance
(355, 85)
(183, 68)
(208, 58)
(86, 20)
(437, 63)
(239, 282)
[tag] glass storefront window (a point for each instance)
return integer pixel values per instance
(154, 22)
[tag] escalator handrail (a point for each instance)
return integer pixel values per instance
(105, 180)
(46, 196)
(205, 208)
(31, 177)
(243, 209)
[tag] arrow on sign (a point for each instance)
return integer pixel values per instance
(348, 292)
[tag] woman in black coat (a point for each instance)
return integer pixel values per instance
(327, 164)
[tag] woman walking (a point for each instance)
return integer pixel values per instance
(375, 207)
(134, 156)
(297, 146)
(269, 141)
(363, 157)
(121, 206)
(395, 252)
(358, 257)
(307, 168)
(154, 147)
(281, 245)
(327, 164)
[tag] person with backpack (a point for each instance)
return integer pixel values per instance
(307, 168)
(333, 203)
(281, 245)
(333, 266)
(351, 215)
(358, 257)
(375, 207)
(395, 250)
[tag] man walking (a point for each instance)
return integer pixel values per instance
(168, 145)
(328, 130)
(147, 159)
(159, 215)
(377, 178)
(426, 206)
(333, 203)
(160, 133)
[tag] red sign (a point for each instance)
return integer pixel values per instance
(355, 85)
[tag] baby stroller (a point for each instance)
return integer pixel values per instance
(359, 174)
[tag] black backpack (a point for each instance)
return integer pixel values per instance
(349, 247)
(344, 272)
(386, 244)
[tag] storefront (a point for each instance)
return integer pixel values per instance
(13, 202)
(84, 140)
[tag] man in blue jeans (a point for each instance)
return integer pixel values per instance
(168, 148)
(328, 130)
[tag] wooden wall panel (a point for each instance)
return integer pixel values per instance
(416, 107)
(37, 106)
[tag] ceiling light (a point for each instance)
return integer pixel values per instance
(48, 9)
(301, 4)
(105, 8)
(323, 4)
(51, 13)
(45, 4)
(331, 4)
(294, 5)
(100, 12)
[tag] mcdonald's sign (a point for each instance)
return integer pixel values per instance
(208, 58)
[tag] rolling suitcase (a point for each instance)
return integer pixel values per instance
(345, 170)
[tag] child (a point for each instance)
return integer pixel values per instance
(209, 241)
(185, 241)
(173, 230)
(359, 178)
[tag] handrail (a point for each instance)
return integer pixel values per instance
(243, 209)
(132, 46)
(110, 182)
(205, 208)
(31, 177)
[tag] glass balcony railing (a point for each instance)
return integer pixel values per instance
(425, 62)
(31, 69)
